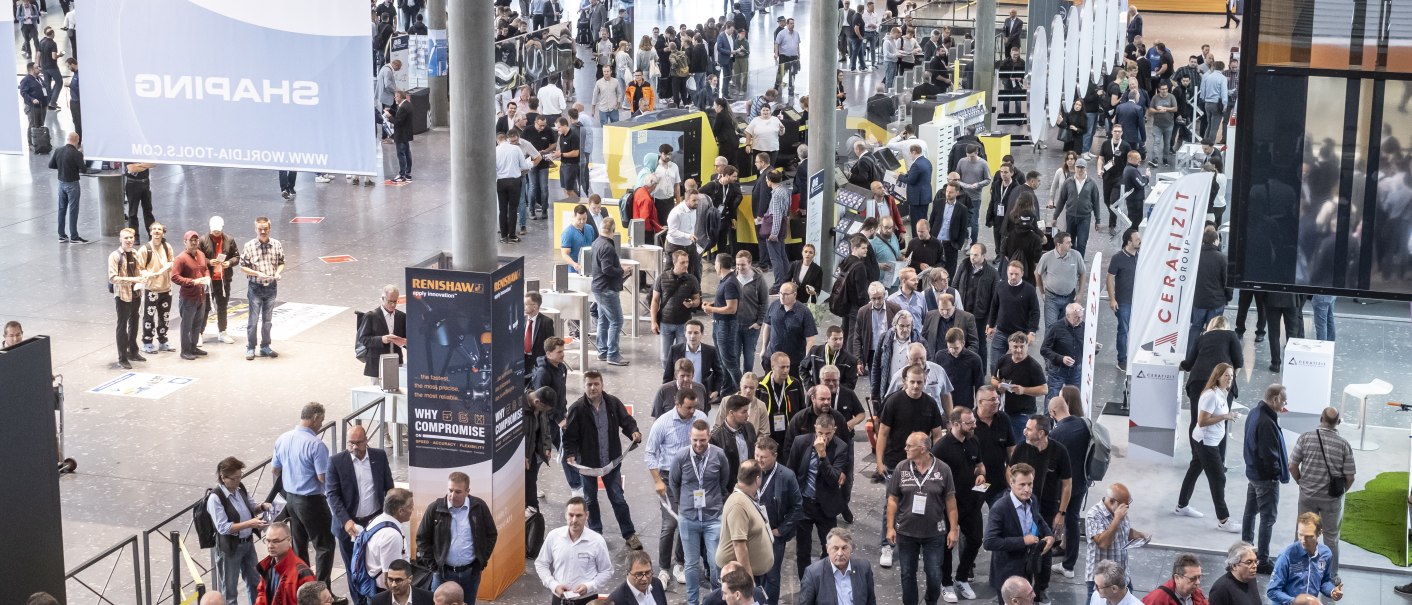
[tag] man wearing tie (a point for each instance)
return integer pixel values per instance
(537, 329)
(358, 480)
(383, 331)
(841, 579)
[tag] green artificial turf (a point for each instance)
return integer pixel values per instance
(1375, 518)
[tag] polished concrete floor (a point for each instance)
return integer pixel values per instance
(140, 460)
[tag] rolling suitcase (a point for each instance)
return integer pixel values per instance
(39, 140)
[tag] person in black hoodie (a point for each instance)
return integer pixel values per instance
(553, 373)
(1210, 294)
(854, 271)
(1266, 467)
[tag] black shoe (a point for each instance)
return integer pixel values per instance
(136, 357)
(1265, 568)
(63, 240)
(198, 352)
(1259, 337)
(122, 363)
(188, 356)
(848, 516)
(1275, 367)
(1041, 597)
(1240, 333)
(1403, 589)
(77, 240)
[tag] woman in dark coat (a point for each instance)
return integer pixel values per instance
(1024, 241)
(1075, 122)
(1218, 344)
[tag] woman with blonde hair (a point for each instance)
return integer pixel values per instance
(1217, 345)
(623, 63)
(1210, 432)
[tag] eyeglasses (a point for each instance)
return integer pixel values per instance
(276, 540)
(641, 574)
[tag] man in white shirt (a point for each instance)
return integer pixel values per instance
(681, 230)
(1110, 586)
(872, 22)
(510, 167)
(640, 588)
(551, 101)
(388, 542)
(574, 562)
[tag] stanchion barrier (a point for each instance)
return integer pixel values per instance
(114, 554)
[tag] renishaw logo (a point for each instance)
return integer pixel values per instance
(235, 90)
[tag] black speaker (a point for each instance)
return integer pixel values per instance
(421, 109)
(30, 447)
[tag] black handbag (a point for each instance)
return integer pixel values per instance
(1338, 484)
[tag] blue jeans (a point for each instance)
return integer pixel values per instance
(571, 476)
(69, 194)
(772, 577)
(232, 566)
(975, 206)
(746, 339)
(1054, 306)
(1079, 229)
(1261, 498)
(999, 348)
(1199, 318)
(1124, 315)
(1160, 141)
(1057, 376)
(1088, 134)
(1324, 317)
(930, 550)
(608, 117)
(404, 160)
(613, 483)
(1017, 425)
(468, 579)
(724, 334)
(540, 201)
(889, 72)
(692, 533)
(610, 322)
(779, 262)
(855, 53)
(261, 300)
(671, 335)
(526, 196)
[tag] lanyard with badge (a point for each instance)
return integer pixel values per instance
(698, 495)
(777, 420)
(919, 498)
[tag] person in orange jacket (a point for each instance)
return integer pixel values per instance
(290, 572)
(638, 90)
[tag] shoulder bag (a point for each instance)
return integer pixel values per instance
(1338, 483)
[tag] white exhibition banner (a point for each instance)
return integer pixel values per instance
(12, 139)
(1039, 85)
(1166, 269)
(1090, 360)
(142, 385)
(236, 83)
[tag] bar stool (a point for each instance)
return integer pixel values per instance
(1362, 392)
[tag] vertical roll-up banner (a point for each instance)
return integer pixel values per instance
(1166, 269)
(245, 84)
(465, 373)
(12, 140)
(1091, 306)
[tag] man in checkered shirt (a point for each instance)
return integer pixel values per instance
(262, 262)
(1109, 532)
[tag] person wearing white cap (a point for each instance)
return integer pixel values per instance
(1084, 201)
(222, 254)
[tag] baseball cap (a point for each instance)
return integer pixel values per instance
(190, 234)
(217, 223)
(1082, 163)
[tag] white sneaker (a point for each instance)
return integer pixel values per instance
(885, 561)
(1187, 511)
(576, 492)
(323, 179)
(542, 495)
(1059, 568)
(948, 594)
(225, 338)
(1228, 526)
(665, 577)
(964, 589)
(679, 573)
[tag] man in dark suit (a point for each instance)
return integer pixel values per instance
(725, 56)
(383, 331)
(822, 465)
(819, 585)
(537, 329)
(639, 584)
(1014, 29)
(779, 494)
(399, 587)
(950, 218)
(706, 361)
(864, 336)
(401, 119)
(1015, 546)
(736, 436)
(945, 317)
(358, 480)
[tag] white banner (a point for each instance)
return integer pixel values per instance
(1166, 269)
(1091, 301)
(12, 137)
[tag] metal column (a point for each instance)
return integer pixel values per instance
(983, 77)
(471, 57)
(436, 20)
(823, 147)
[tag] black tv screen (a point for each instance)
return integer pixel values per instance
(1323, 197)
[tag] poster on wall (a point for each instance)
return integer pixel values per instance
(256, 84)
(465, 373)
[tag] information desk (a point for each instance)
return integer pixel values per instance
(1308, 376)
(1154, 400)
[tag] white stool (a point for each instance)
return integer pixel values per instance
(1362, 392)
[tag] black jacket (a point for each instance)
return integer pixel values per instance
(402, 122)
(1005, 539)
(623, 594)
(419, 597)
(554, 377)
(835, 465)
(543, 329)
(854, 271)
(935, 327)
(228, 248)
(370, 332)
(608, 271)
(812, 276)
(960, 219)
(846, 363)
(723, 439)
(1211, 291)
(697, 59)
(581, 434)
(976, 289)
(1062, 340)
(68, 161)
(1212, 348)
(341, 488)
(782, 501)
(784, 401)
(1265, 455)
(861, 340)
(713, 374)
(434, 533)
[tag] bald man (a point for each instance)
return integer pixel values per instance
(1017, 591)
(449, 593)
(213, 598)
(358, 480)
(1109, 532)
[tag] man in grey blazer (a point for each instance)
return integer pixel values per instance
(1081, 195)
(841, 579)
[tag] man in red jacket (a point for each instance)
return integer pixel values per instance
(1183, 587)
(190, 271)
(282, 572)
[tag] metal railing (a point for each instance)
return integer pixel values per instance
(179, 552)
(376, 416)
(114, 552)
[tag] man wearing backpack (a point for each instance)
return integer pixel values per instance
(379, 545)
(359, 480)
(282, 572)
(232, 513)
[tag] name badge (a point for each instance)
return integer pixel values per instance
(779, 422)
(919, 504)
(698, 498)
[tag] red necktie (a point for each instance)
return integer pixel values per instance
(529, 336)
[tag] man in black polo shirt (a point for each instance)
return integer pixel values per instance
(907, 411)
(1053, 482)
(539, 135)
(995, 440)
(963, 366)
(567, 153)
(961, 452)
(1021, 380)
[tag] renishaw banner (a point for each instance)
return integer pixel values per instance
(235, 83)
(1166, 267)
(12, 140)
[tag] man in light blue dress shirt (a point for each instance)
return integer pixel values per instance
(301, 463)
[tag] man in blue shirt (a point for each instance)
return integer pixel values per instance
(1303, 568)
(300, 464)
(787, 54)
(578, 234)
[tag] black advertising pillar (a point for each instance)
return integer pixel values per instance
(33, 557)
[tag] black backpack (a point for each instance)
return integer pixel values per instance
(203, 524)
(838, 294)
